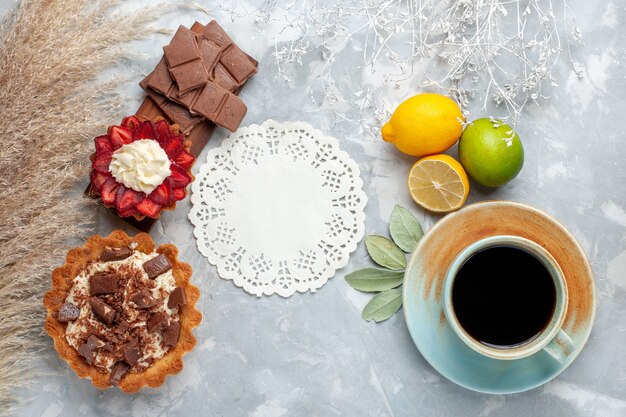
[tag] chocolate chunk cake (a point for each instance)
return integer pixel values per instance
(121, 312)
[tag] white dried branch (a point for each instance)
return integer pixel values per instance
(500, 52)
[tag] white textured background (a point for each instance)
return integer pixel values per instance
(312, 355)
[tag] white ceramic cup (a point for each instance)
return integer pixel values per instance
(552, 339)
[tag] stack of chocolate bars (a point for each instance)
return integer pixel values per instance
(199, 77)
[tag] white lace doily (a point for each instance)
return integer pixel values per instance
(278, 208)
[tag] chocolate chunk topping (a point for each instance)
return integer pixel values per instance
(171, 334)
(177, 298)
(115, 254)
(131, 351)
(95, 342)
(156, 266)
(157, 321)
(118, 371)
(68, 312)
(112, 340)
(122, 327)
(86, 352)
(102, 283)
(87, 349)
(143, 299)
(102, 310)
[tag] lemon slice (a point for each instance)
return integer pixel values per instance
(438, 183)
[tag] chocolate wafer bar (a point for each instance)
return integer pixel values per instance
(182, 49)
(231, 113)
(212, 102)
(213, 43)
(175, 112)
(185, 62)
(161, 81)
(228, 67)
(237, 64)
(216, 34)
(210, 54)
(234, 67)
(222, 77)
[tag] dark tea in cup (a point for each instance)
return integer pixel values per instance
(503, 296)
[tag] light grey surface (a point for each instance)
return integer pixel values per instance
(311, 354)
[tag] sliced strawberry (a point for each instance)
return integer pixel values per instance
(162, 129)
(178, 194)
(185, 160)
(149, 208)
(144, 131)
(109, 190)
(120, 136)
(102, 161)
(97, 179)
(126, 200)
(130, 122)
(179, 177)
(172, 145)
(103, 144)
(161, 194)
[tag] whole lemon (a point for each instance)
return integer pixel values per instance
(424, 124)
(491, 152)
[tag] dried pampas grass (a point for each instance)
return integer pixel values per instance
(51, 107)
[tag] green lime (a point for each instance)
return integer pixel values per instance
(491, 152)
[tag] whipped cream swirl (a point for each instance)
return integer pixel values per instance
(141, 165)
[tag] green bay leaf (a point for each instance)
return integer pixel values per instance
(374, 279)
(383, 306)
(385, 253)
(405, 229)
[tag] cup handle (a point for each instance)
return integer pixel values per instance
(560, 347)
